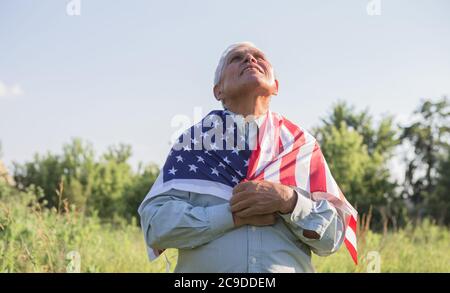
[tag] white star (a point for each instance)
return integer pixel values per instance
(186, 148)
(200, 159)
(194, 141)
(179, 158)
(246, 163)
(214, 146)
(226, 160)
(221, 165)
(239, 173)
(234, 179)
(214, 171)
(216, 123)
(230, 129)
(242, 138)
(172, 171)
(193, 168)
(235, 151)
(206, 152)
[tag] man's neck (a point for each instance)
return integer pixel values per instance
(249, 106)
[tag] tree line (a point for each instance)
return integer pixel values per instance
(360, 152)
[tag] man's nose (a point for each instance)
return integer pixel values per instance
(250, 58)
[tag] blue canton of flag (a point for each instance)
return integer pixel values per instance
(197, 156)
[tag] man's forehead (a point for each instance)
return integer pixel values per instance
(245, 49)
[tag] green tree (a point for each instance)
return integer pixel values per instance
(142, 182)
(358, 152)
(429, 138)
(113, 176)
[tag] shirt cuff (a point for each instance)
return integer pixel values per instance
(302, 209)
(220, 217)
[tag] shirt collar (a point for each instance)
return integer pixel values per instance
(240, 118)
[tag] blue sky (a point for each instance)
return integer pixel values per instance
(121, 70)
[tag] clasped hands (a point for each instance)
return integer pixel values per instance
(257, 202)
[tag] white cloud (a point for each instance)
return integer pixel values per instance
(10, 91)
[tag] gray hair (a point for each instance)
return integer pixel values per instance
(221, 65)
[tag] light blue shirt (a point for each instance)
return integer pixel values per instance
(201, 227)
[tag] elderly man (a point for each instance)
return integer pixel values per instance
(250, 208)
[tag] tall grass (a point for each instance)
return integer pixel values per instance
(35, 239)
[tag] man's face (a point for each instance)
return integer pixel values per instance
(246, 71)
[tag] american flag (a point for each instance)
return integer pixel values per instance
(213, 156)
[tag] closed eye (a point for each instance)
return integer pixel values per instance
(235, 58)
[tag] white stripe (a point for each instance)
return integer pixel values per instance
(302, 167)
(267, 151)
(272, 172)
(287, 139)
(332, 186)
(191, 185)
(351, 236)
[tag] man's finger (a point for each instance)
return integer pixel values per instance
(239, 197)
(241, 187)
(240, 205)
(249, 212)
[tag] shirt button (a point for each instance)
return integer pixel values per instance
(253, 260)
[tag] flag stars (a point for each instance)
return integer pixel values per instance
(200, 159)
(239, 173)
(179, 158)
(226, 160)
(230, 129)
(221, 165)
(216, 123)
(234, 179)
(213, 146)
(214, 171)
(235, 151)
(173, 170)
(187, 148)
(204, 135)
(194, 141)
(246, 163)
(193, 168)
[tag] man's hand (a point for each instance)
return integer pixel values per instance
(254, 198)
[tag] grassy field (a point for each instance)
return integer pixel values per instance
(33, 239)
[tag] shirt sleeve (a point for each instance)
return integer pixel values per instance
(169, 220)
(320, 217)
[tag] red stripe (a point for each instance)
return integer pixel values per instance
(288, 162)
(352, 225)
(317, 176)
(352, 250)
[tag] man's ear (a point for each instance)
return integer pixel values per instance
(275, 88)
(217, 92)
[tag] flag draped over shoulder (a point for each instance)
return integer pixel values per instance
(210, 158)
